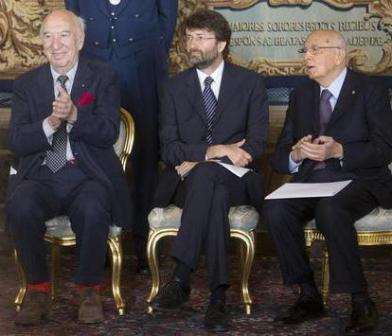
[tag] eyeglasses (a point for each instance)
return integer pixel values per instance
(198, 38)
(316, 50)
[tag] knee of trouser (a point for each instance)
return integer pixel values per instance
(221, 194)
(329, 215)
(22, 210)
(202, 173)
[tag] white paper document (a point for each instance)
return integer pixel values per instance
(304, 190)
(239, 171)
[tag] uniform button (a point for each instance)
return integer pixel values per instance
(130, 39)
(96, 43)
(112, 13)
(137, 15)
(114, 40)
(116, 18)
(91, 19)
(111, 27)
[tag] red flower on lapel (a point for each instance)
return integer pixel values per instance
(86, 98)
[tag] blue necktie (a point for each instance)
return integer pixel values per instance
(210, 103)
(56, 158)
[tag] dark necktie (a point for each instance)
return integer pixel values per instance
(210, 103)
(325, 110)
(325, 116)
(56, 158)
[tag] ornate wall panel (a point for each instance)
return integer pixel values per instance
(368, 30)
(20, 47)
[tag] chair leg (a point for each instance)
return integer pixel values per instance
(23, 283)
(249, 250)
(153, 238)
(115, 247)
(325, 275)
(54, 267)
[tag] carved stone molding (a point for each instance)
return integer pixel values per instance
(20, 47)
(358, 59)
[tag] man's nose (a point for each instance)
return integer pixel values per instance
(56, 42)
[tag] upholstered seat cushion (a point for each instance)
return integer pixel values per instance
(243, 217)
(60, 227)
(379, 219)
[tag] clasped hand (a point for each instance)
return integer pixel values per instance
(63, 109)
(234, 152)
(238, 156)
(318, 149)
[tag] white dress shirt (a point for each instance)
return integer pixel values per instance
(216, 76)
(335, 87)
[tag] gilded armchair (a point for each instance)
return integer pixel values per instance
(58, 229)
(165, 222)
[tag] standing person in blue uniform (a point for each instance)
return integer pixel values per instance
(134, 36)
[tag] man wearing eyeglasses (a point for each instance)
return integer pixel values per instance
(337, 127)
(215, 111)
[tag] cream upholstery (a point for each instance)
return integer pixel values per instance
(378, 220)
(59, 232)
(60, 227)
(166, 222)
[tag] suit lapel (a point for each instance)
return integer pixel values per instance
(45, 91)
(316, 108)
(228, 86)
(345, 97)
(82, 81)
(193, 93)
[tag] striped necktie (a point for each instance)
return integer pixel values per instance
(56, 158)
(210, 103)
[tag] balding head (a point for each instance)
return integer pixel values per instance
(328, 38)
(62, 34)
(325, 56)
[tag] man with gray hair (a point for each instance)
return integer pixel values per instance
(338, 127)
(64, 121)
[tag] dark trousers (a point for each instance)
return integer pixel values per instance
(335, 217)
(206, 196)
(68, 192)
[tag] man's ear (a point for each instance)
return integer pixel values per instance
(221, 46)
(80, 40)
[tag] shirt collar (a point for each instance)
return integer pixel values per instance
(70, 74)
(336, 86)
(216, 76)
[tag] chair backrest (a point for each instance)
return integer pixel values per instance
(126, 137)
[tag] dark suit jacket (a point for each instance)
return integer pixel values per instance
(361, 122)
(92, 136)
(242, 113)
